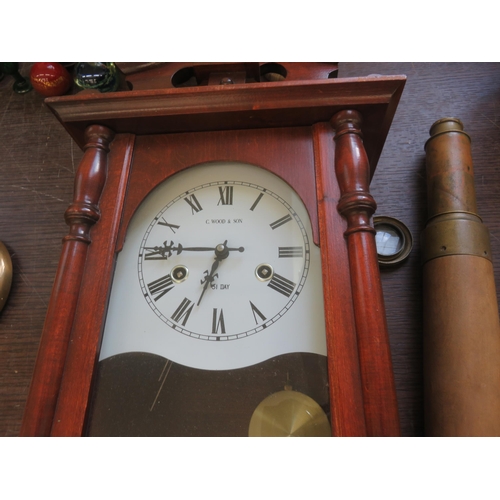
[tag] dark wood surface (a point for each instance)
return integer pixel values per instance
(38, 163)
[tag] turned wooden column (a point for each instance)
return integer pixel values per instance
(346, 396)
(357, 206)
(81, 215)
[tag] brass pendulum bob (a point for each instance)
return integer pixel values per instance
(289, 413)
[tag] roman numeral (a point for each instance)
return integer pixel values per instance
(163, 222)
(256, 313)
(183, 312)
(285, 252)
(281, 285)
(193, 202)
(226, 195)
(156, 253)
(161, 286)
(280, 222)
(218, 322)
(256, 201)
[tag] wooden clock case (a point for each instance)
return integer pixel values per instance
(323, 136)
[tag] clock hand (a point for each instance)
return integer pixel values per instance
(165, 251)
(221, 253)
(209, 278)
(157, 252)
(206, 249)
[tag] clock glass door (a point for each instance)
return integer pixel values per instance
(215, 325)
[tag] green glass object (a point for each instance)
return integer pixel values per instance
(21, 85)
(105, 77)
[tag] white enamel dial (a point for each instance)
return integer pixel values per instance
(218, 271)
(231, 256)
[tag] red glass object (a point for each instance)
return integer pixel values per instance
(50, 79)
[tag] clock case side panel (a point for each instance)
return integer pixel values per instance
(83, 351)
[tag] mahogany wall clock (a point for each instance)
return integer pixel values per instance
(220, 272)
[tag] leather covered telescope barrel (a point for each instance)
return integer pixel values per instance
(461, 322)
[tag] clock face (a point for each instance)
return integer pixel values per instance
(218, 272)
(224, 260)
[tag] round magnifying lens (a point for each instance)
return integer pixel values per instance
(393, 239)
(389, 240)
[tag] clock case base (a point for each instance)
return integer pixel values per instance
(322, 137)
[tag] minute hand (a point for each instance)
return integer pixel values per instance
(165, 251)
(206, 249)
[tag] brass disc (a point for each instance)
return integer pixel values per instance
(289, 414)
(5, 274)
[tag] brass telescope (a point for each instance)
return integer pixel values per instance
(461, 322)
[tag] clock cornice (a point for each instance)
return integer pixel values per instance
(230, 107)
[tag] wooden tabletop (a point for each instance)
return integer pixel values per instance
(38, 161)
